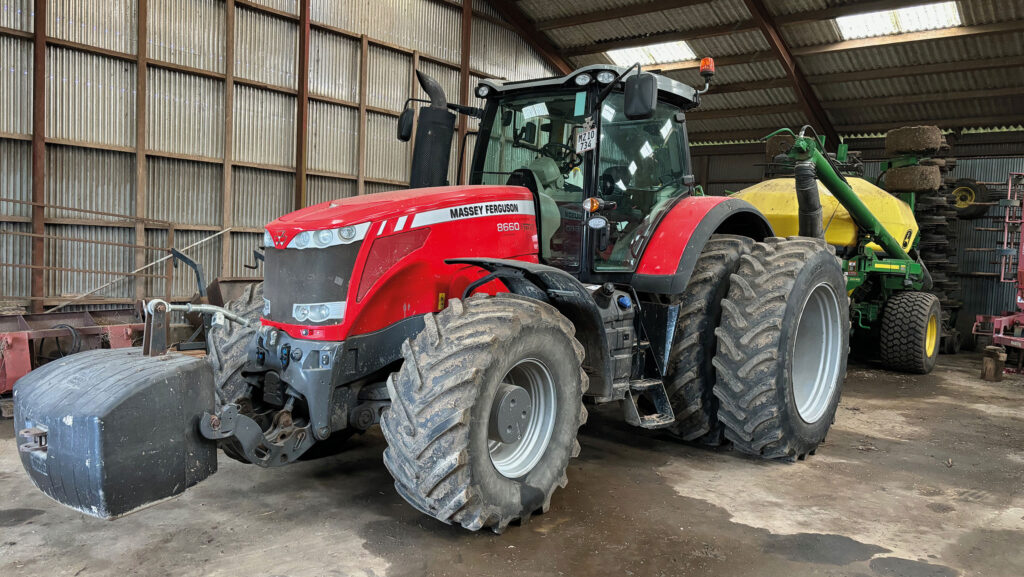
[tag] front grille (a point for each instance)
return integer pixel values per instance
(294, 276)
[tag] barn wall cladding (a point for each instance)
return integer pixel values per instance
(165, 123)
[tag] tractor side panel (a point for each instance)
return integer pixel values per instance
(672, 251)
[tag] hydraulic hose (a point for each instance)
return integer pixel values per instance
(809, 202)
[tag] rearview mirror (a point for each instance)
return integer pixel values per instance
(528, 133)
(405, 125)
(506, 118)
(641, 96)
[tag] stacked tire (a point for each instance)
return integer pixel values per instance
(936, 212)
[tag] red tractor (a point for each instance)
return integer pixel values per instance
(475, 323)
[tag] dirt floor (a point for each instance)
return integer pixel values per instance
(920, 477)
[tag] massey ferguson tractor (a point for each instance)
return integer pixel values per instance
(581, 266)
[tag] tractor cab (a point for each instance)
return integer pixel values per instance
(621, 146)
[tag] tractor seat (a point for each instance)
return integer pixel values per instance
(550, 180)
(549, 217)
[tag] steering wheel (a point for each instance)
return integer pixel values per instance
(564, 155)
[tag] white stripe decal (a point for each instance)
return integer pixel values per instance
(466, 211)
(381, 229)
(400, 224)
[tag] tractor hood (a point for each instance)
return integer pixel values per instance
(419, 207)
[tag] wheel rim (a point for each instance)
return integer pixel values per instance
(817, 353)
(517, 458)
(931, 339)
(964, 196)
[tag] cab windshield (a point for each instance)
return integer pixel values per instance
(540, 141)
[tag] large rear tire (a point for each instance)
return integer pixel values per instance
(782, 348)
(911, 331)
(690, 378)
(461, 379)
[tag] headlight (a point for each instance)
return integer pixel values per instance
(605, 76)
(268, 240)
(324, 237)
(583, 79)
(302, 239)
(347, 233)
(328, 236)
(319, 312)
(482, 91)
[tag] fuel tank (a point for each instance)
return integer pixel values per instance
(776, 199)
(361, 264)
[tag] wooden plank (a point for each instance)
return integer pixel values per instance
(615, 13)
(837, 11)
(673, 36)
(979, 93)
(918, 70)
(738, 112)
(910, 37)
(467, 44)
(140, 142)
(302, 108)
(751, 58)
(952, 123)
(805, 94)
(227, 205)
(364, 67)
(38, 285)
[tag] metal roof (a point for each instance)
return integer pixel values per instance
(864, 86)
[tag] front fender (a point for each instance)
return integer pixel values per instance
(562, 291)
(671, 253)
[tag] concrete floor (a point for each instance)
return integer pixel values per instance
(920, 477)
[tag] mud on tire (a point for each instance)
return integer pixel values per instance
(691, 376)
(782, 347)
(231, 342)
(228, 345)
(911, 330)
(913, 179)
(913, 140)
(439, 450)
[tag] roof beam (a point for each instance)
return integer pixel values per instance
(931, 97)
(918, 70)
(845, 10)
(616, 13)
(804, 93)
(673, 36)
(974, 122)
(538, 41)
(724, 136)
(737, 112)
(734, 87)
(957, 32)
(763, 56)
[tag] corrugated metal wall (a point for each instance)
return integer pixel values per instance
(202, 132)
(983, 294)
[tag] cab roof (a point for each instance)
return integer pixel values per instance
(677, 92)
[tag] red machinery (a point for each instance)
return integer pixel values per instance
(1007, 329)
(22, 338)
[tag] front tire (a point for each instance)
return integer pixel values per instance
(782, 348)
(911, 331)
(445, 450)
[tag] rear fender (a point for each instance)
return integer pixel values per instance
(670, 255)
(562, 291)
